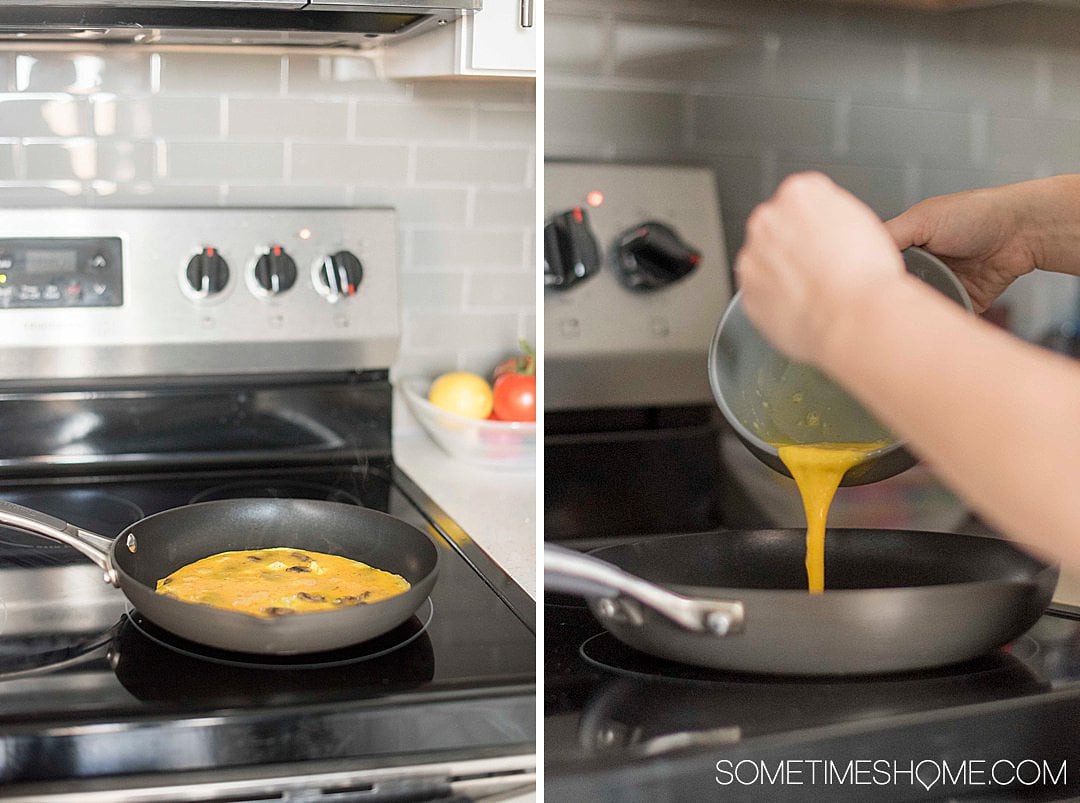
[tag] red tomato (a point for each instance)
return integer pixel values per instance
(515, 397)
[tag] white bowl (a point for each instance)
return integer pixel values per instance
(502, 444)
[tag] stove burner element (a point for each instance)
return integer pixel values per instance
(375, 648)
(283, 489)
(97, 511)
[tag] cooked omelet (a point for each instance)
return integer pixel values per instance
(280, 581)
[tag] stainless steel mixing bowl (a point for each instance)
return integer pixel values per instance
(768, 398)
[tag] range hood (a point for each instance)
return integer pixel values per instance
(312, 23)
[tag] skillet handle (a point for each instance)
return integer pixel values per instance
(91, 545)
(586, 576)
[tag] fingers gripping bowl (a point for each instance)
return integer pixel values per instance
(769, 399)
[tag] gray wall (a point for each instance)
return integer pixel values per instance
(229, 128)
(896, 106)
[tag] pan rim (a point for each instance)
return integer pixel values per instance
(1047, 569)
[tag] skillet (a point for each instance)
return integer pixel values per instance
(737, 600)
(158, 545)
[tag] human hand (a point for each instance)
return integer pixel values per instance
(979, 234)
(813, 253)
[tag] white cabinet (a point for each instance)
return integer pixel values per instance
(500, 40)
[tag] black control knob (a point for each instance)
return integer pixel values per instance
(570, 250)
(208, 272)
(275, 271)
(652, 255)
(340, 275)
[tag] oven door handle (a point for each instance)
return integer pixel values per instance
(91, 545)
(618, 593)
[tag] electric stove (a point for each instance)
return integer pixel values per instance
(620, 724)
(159, 358)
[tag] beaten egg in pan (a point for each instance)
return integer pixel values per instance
(280, 580)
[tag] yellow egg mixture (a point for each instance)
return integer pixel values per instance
(280, 580)
(818, 469)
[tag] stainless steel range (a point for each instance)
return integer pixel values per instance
(155, 358)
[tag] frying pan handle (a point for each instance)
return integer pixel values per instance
(583, 575)
(92, 545)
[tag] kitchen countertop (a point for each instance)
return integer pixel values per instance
(496, 507)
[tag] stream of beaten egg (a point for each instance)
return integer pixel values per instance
(818, 469)
(280, 580)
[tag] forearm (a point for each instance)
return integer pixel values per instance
(996, 418)
(1049, 219)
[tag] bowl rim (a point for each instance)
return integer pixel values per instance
(736, 303)
(410, 386)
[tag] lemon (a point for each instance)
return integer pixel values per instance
(463, 393)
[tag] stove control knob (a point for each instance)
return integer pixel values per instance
(275, 271)
(570, 250)
(207, 272)
(652, 255)
(339, 275)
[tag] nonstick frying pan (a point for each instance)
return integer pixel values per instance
(160, 544)
(737, 600)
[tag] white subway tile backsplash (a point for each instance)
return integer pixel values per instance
(278, 118)
(473, 165)
(433, 290)
(339, 76)
(513, 92)
(125, 72)
(160, 117)
(347, 163)
(1019, 143)
(440, 331)
(943, 136)
(224, 161)
(44, 116)
(413, 121)
(468, 248)
(202, 73)
(495, 124)
(90, 160)
(613, 119)
(159, 193)
(7, 162)
(748, 124)
(504, 207)
(43, 194)
(285, 194)
(417, 205)
(489, 289)
(960, 76)
(575, 44)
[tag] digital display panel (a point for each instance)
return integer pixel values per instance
(52, 261)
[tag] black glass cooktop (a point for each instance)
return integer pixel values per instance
(630, 724)
(89, 687)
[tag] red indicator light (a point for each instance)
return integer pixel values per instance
(277, 250)
(694, 259)
(579, 216)
(594, 198)
(210, 251)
